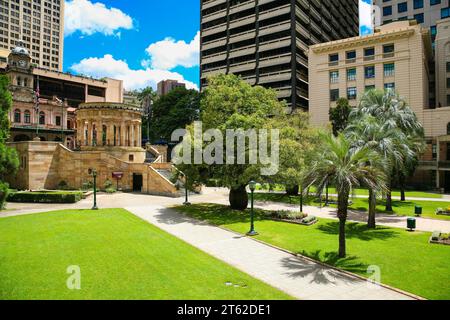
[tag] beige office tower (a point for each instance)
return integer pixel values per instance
(266, 41)
(39, 24)
(426, 12)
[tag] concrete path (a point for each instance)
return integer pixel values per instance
(299, 277)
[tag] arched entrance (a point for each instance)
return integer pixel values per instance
(21, 138)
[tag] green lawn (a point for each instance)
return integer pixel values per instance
(400, 208)
(365, 192)
(407, 260)
(120, 256)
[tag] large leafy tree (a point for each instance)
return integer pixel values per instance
(337, 162)
(9, 161)
(393, 112)
(229, 103)
(175, 110)
(339, 115)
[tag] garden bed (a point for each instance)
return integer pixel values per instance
(440, 238)
(293, 217)
(46, 197)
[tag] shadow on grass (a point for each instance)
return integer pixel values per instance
(321, 274)
(358, 231)
(219, 214)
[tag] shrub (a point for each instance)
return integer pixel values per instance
(87, 185)
(110, 190)
(4, 191)
(63, 185)
(45, 197)
(309, 219)
(288, 215)
(108, 184)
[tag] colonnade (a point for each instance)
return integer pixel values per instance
(98, 133)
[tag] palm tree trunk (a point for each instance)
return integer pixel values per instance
(342, 215)
(402, 187)
(389, 197)
(372, 209)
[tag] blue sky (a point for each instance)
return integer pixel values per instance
(139, 41)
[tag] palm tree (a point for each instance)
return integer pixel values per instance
(387, 141)
(340, 164)
(393, 111)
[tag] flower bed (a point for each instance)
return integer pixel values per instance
(440, 238)
(293, 217)
(443, 212)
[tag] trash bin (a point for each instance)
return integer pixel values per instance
(418, 210)
(411, 224)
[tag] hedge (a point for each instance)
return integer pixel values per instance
(45, 197)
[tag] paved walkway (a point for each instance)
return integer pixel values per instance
(299, 277)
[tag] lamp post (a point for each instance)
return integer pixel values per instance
(186, 192)
(252, 231)
(301, 198)
(93, 172)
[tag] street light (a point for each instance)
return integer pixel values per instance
(252, 231)
(186, 191)
(93, 172)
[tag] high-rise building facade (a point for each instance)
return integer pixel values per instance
(39, 24)
(426, 12)
(266, 41)
(165, 86)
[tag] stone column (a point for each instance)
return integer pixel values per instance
(132, 135)
(123, 134)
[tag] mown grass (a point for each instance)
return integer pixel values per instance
(406, 260)
(120, 257)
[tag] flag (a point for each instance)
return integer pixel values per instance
(37, 95)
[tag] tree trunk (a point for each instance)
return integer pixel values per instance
(292, 190)
(301, 199)
(238, 198)
(402, 187)
(342, 215)
(372, 209)
(389, 198)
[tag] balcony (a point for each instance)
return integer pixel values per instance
(243, 36)
(275, 44)
(275, 60)
(243, 66)
(275, 77)
(242, 6)
(275, 12)
(212, 3)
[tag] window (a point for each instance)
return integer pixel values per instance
(351, 74)
(58, 120)
(418, 4)
(368, 88)
(334, 76)
(388, 50)
(448, 128)
(369, 72)
(389, 69)
(27, 117)
(448, 83)
(389, 86)
(42, 118)
(351, 93)
(434, 150)
(402, 7)
(17, 116)
(333, 59)
(130, 158)
(419, 18)
(19, 81)
(351, 56)
(369, 54)
(334, 94)
(445, 13)
(435, 2)
(387, 11)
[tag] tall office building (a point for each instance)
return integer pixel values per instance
(165, 86)
(39, 24)
(426, 12)
(266, 41)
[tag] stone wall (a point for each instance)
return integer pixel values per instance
(47, 164)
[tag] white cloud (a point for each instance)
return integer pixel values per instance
(89, 18)
(107, 66)
(365, 15)
(169, 53)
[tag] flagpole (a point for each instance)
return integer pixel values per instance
(37, 94)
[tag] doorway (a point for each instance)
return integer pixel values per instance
(447, 181)
(137, 182)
